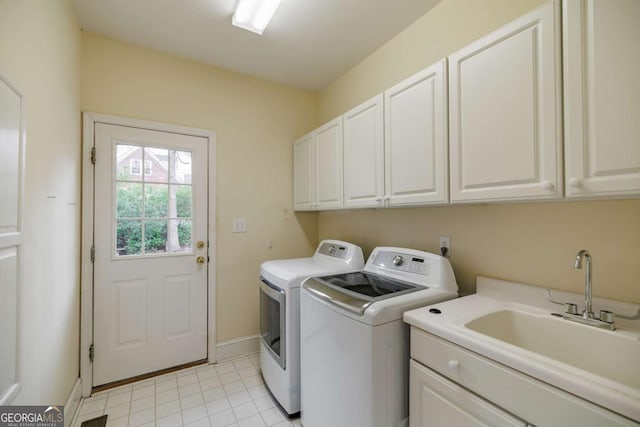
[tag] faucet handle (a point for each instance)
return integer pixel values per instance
(571, 308)
(607, 316)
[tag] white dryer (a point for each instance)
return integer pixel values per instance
(354, 344)
(280, 282)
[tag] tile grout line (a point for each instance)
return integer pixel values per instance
(250, 382)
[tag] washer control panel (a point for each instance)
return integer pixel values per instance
(402, 262)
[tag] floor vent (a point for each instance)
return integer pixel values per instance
(95, 422)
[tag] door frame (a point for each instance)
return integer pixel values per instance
(87, 240)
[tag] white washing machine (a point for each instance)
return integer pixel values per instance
(280, 314)
(354, 344)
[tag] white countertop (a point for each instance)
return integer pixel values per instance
(495, 295)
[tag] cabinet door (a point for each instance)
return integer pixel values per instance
(434, 401)
(364, 154)
(328, 165)
(303, 173)
(505, 116)
(416, 139)
(602, 97)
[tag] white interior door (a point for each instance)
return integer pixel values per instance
(11, 238)
(150, 268)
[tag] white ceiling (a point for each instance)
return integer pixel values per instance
(308, 44)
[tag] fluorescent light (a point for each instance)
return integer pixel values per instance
(254, 15)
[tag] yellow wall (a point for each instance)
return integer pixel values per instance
(40, 46)
(449, 26)
(254, 121)
(532, 243)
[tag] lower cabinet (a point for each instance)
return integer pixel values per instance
(436, 401)
(452, 386)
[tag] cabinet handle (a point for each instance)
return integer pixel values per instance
(547, 185)
(575, 183)
(453, 364)
(379, 201)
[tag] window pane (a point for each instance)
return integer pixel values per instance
(180, 201)
(148, 167)
(180, 162)
(156, 164)
(128, 237)
(156, 201)
(9, 169)
(179, 235)
(128, 162)
(128, 200)
(155, 236)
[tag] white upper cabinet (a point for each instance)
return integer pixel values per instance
(602, 97)
(303, 173)
(416, 139)
(328, 166)
(505, 115)
(364, 154)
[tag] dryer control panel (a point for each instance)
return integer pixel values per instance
(333, 250)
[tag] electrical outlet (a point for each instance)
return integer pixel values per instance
(239, 225)
(445, 242)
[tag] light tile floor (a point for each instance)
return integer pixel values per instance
(231, 393)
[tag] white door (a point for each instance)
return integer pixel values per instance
(364, 154)
(11, 238)
(505, 117)
(602, 97)
(328, 165)
(415, 161)
(150, 270)
(303, 173)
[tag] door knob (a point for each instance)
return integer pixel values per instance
(200, 260)
(200, 244)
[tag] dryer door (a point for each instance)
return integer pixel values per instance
(272, 320)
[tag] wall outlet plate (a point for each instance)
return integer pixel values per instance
(445, 242)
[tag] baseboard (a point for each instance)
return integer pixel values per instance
(237, 347)
(73, 403)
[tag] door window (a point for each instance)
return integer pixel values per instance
(154, 201)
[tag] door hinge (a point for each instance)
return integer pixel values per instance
(91, 353)
(93, 155)
(93, 253)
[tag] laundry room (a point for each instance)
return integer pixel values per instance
(190, 207)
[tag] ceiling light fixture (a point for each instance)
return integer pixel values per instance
(254, 15)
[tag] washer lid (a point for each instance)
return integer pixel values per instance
(368, 286)
(357, 291)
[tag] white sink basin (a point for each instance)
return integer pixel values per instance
(608, 354)
(512, 324)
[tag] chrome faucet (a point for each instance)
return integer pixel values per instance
(606, 319)
(584, 254)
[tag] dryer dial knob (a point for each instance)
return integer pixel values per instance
(398, 260)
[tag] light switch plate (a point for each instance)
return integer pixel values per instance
(239, 225)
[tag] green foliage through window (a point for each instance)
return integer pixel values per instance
(152, 216)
